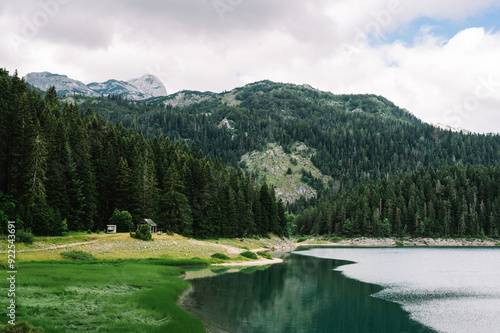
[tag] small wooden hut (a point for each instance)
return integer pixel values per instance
(111, 229)
(152, 226)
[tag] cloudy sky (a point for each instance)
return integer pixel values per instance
(440, 59)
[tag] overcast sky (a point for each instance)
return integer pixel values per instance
(439, 59)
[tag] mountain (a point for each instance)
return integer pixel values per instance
(63, 84)
(141, 88)
(345, 140)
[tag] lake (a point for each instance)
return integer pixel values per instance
(356, 290)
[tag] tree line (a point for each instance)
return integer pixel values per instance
(458, 201)
(64, 169)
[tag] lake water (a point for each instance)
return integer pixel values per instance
(357, 290)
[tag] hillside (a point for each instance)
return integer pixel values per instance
(293, 174)
(356, 138)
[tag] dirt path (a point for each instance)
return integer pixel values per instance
(53, 247)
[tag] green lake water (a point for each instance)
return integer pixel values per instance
(304, 294)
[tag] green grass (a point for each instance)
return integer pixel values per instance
(73, 237)
(112, 296)
(78, 255)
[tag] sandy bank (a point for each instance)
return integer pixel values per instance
(258, 262)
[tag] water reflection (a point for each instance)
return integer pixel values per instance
(303, 294)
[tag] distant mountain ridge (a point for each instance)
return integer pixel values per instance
(144, 87)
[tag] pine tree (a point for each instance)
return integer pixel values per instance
(347, 228)
(124, 186)
(175, 213)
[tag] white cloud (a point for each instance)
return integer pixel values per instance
(190, 46)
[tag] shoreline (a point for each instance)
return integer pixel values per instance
(403, 242)
(258, 262)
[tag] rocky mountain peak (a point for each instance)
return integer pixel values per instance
(141, 88)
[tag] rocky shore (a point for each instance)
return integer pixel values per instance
(393, 242)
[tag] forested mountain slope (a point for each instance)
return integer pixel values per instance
(64, 169)
(453, 201)
(356, 137)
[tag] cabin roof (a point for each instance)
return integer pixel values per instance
(148, 221)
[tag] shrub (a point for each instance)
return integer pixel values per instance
(143, 233)
(78, 255)
(22, 326)
(301, 239)
(122, 220)
(264, 254)
(219, 256)
(245, 248)
(24, 236)
(398, 243)
(249, 255)
(336, 239)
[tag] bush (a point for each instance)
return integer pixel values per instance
(336, 239)
(122, 220)
(301, 239)
(264, 254)
(22, 326)
(24, 236)
(78, 255)
(245, 248)
(249, 255)
(398, 243)
(219, 256)
(143, 233)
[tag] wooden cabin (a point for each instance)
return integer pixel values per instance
(153, 227)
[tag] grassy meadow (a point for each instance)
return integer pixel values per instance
(132, 286)
(128, 296)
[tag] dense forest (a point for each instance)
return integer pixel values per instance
(357, 137)
(66, 169)
(69, 167)
(451, 202)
